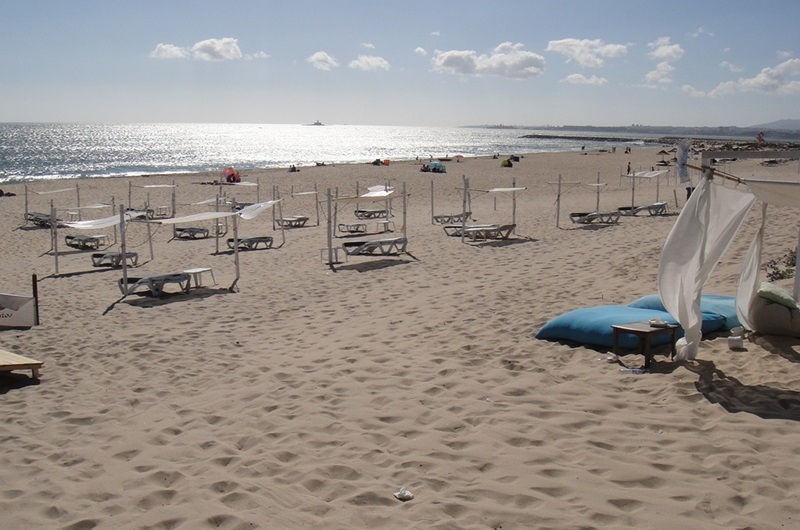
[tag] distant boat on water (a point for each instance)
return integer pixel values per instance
(316, 123)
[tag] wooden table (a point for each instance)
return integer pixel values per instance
(644, 331)
(11, 361)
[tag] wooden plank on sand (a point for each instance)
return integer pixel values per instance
(11, 361)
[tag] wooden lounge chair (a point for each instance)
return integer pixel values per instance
(191, 233)
(455, 230)
(297, 221)
(42, 220)
(84, 242)
(140, 213)
(113, 259)
(391, 246)
(591, 217)
(657, 208)
(251, 243)
(371, 214)
(352, 228)
(449, 219)
(495, 232)
(155, 284)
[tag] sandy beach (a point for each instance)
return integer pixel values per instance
(310, 395)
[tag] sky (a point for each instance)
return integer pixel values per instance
(401, 62)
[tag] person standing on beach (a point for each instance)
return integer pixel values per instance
(629, 168)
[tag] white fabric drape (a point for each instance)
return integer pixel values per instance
(748, 279)
(702, 233)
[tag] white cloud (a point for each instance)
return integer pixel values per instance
(692, 91)
(702, 31)
(420, 51)
(369, 63)
(436, 33)
(169, 51)
(774, 80)
(225, 49)
(661, 74)
(367, 45)
(730, 67)
(580, 79)
(506, 60)
(588, 53)
(322, 61)
(664, 51)
(785, 54)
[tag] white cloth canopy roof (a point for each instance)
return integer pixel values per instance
(374, 193)
(96, 224)
(504, 190)
(647, 174)
(248, 212)
(705, 228)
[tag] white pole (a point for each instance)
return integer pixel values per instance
(149, 236)
(78, 195)
(405, 213)
(514, 204)
(432, 209)
(235, 251)
(54, 232)
(123, 247)
(558, 202)
(464, 207)
(597, 206)
(330, 229)
(316, 201)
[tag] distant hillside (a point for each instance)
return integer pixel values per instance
(650, 132)
(781, 125)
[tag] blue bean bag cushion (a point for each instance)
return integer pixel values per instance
(709, 303)
(592, 325)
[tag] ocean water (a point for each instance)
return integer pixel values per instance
(38, 151)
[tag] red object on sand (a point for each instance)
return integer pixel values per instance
(231, 175)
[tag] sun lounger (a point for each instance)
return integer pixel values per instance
(391, 246)
(191, 233)
(42, 220)
(494, 232)
(155, 284)
(141, 213)
(657, 208)
(84, 242)
(11, 361)
(113, 259)
(251, 243)
(353, 228)
(455, 230)
(449, 219)
(297, 221)
(371, 214)
(591, 217)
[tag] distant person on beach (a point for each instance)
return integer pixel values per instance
(629, 168)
